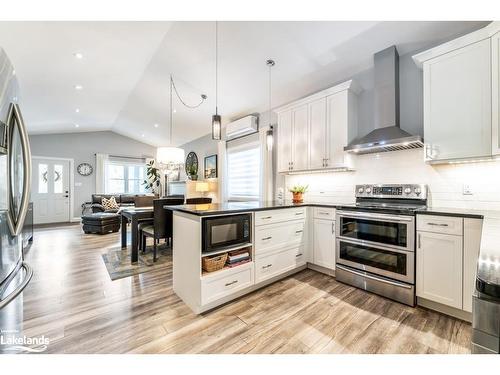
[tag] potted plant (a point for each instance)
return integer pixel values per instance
(192, 171)
(298, 192)
(152, 181)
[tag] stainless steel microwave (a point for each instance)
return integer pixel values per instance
(226, 232)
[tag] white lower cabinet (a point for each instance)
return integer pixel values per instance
(226, 282)
(440, 268)
(279, 262)
(324, 243)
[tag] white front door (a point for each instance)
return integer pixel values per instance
(50, 191)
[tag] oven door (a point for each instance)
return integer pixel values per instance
(392, 231)
(225, 232)
(388, 262)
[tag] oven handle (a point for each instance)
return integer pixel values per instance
(375, 245)
(367, 215)
(383, 280)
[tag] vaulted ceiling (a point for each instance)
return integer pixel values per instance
(124, 67)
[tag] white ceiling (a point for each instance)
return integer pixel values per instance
(126, 66)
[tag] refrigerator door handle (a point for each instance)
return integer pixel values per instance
(16, 223)
(20, 288)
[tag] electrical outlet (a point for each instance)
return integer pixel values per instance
(467, 189)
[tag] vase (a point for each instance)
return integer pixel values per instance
(193, 177)
(298, 197)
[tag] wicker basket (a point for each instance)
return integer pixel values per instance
(211, 264)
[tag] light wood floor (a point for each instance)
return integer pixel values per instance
(72, 301)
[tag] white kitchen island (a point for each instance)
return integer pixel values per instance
(278, 248)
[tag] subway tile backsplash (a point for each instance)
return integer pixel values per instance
(445, 181)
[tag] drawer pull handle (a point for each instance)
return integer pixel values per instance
(438, 225)
(269, 265)
(232, 282)
(323, 213)
(298, 255)
(266, 217)
(298, 231)
(299, 213)
(266, 238)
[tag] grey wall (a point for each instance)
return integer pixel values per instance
(82, 147)
(203, 146)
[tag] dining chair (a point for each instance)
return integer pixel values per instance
(162, 225)
(144, 201)
(200, 200)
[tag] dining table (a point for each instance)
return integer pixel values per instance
(134, 216)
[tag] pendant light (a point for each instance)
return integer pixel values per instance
(269, 134)
(170, 156)
(216, 119)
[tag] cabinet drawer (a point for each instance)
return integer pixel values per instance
(324, 213)
(228, 282)
(280, 215)
(277, 236)
(440, 224)
(279, 262)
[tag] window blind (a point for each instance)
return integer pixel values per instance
(243, 173)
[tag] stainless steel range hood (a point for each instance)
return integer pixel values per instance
(387, 136)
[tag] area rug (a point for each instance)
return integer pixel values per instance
(118, 263)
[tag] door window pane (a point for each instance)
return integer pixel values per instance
(42, 179)
(58, 179)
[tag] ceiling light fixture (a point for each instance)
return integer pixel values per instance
(77, 110)
(155, 125)
(172, 157)
(77, 126)
(78, 55)
(269, 134)
(216, 119)
(78, 87)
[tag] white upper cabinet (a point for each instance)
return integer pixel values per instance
(317, 134)
(461, 97)
(457, 103)
(300, 146)
(284, 141)
(495, 94)
(316, 129)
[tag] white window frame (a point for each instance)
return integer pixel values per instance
(126, 165)
(239, 148)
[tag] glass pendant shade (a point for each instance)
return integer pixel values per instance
(170, 155)
(216, 127)
(269, 139)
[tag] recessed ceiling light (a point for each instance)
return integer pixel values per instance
(78, 87)
(78, 55)
(174, 111)
(77, 126)
(77, 110)
(155, 125)
(142, 135)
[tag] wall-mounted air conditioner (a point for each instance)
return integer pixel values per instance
(243, 126)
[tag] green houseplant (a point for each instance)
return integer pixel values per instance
(192, 171)
(152, 181)
(298, 192)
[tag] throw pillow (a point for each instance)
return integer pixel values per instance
(110, 204)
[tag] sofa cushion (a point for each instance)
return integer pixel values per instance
(97, 198)
(110, 204)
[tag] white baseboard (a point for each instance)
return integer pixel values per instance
(75, 219)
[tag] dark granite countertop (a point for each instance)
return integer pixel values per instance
(235, 207)
(447, 211)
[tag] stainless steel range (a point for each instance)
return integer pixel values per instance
(376, 240)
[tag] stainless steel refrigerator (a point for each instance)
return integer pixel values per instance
(15, 180)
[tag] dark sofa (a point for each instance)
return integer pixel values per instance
(123, 200)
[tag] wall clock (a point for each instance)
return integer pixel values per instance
(84, 169)
(191, 164)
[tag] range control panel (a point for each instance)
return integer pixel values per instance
(407, 191)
